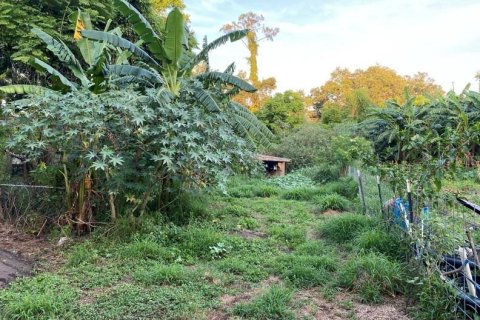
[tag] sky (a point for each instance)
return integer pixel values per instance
(440, 37)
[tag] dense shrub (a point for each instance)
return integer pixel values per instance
(326, 173)
(344, 227)
(345, 186)
(306, 146)
(332, 201)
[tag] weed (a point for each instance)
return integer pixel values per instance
(371, 275)
(435, 300)
(159, 274)
(42, 297)
(344, 227)
(241, 266)
(312, 248)
(289, 234)
(272, 304)
(301, 193)
(248, 223)
(380, 241)
(236, 210)
(145, 249)
(305, 271)
(80, 254)
(332, 201)
(326, 173)
(345, 186)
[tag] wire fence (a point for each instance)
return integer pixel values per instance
(22, 204)
(443, 229)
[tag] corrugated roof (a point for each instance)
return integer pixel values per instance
(264, 157)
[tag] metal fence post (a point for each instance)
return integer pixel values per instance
(360, 188)
(410, 202)
(379, 187)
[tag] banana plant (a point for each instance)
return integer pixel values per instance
(168, 62)
(94, 56)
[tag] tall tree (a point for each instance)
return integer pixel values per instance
(258, 31)
(283, 111)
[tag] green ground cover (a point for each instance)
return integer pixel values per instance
(263, 242)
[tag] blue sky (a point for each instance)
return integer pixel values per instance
(439, 37)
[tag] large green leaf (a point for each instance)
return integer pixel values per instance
(63, 53)
(204, 98)
(142, 28)
(203, 55)
(249, 124)
(127, 70)
(23, 89)
(174, 33)
(216, 76)
(40, 65)
(118, 42)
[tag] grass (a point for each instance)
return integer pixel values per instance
(235, 244)
(371, 275)
(332, 201)
(345, 227)
(272, 304)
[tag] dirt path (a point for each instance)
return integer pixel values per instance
(20, 253)
(12, 266)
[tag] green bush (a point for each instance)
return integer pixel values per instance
(332, 201)
(344, 227)
(371, 275)
(272, 304)
(43, 297)
(435, 300)
(326, 173)
(307, 146)
(159, 274)
(345, 186)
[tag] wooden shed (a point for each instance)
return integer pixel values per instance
(274, 166)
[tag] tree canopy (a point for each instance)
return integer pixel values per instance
(376, 83)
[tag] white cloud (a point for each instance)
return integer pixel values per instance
(437, 37)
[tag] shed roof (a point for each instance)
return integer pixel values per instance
(264, 157)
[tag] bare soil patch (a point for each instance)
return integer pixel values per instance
(20, 253)
(249, 234)
(344, 306)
